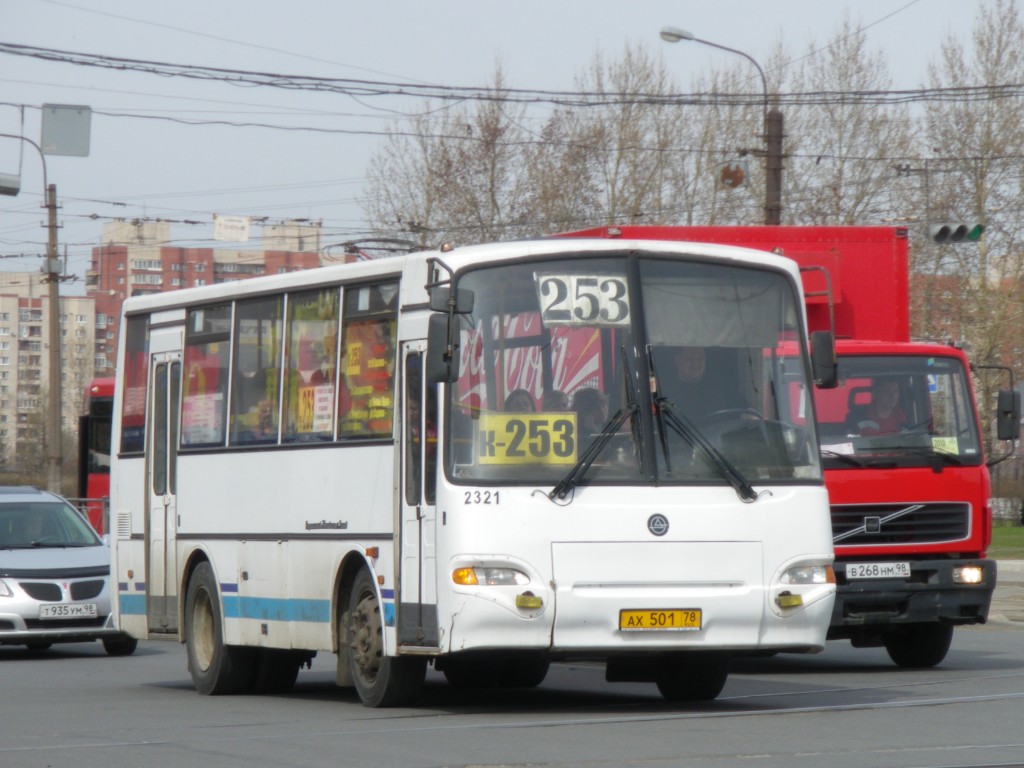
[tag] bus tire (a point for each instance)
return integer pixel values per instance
(217, 669)
(380, 681)
(919, 646)
(120, 646)
(275, 671)
(525, 671)
(473, 672)
(695, 676)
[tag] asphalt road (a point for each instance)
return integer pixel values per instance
(74, 707)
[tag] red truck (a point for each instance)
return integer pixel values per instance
(900, 440)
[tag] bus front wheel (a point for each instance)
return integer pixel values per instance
(380, 680)
(698, 676)
(216, 668)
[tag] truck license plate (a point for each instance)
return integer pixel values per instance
(878, 570)
(685, 619)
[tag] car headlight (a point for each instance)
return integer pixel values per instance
(5, 591)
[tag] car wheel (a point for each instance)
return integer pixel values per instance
(216, 668)
(120, 646)
(380, 681)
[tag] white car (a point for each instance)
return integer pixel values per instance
(54, 575)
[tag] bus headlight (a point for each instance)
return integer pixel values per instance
(809, 574)
(968, 574)
(489, 576)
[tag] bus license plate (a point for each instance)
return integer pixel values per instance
(68, 611)
(684, 619)
(878, 570)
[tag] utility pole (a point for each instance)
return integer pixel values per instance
(53, 413)
(773, 167)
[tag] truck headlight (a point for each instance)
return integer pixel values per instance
(968, 574)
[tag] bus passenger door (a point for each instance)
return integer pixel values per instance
(416, 602)
(161, 469)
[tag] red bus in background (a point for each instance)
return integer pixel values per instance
(94, 450)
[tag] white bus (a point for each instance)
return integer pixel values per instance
(485, 459)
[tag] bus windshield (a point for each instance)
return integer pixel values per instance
(632, 369)
(898, 410)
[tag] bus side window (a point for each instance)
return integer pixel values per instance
(311, 370)
(255, 403)
(204, 399)
(366, 396)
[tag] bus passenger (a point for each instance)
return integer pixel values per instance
(555, 400)
(520, 401)
(591, 408)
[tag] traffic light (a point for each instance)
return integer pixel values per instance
(956, 232)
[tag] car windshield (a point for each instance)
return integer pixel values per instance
(43, 524)
(579, 370)
(892, 410)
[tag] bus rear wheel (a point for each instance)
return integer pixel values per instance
(919, 646)
(216, 668)
(696, 676)
(380, 680)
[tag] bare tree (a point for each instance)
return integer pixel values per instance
(843, 153)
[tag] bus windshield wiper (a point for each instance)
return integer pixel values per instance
(578, 470)
(573, 476)
(666, 415)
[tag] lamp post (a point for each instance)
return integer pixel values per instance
(53, 413)
(773, 128)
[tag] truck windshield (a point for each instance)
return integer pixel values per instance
(898, 411)
(574, 371)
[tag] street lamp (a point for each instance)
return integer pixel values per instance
(772, 127)
(10, 185)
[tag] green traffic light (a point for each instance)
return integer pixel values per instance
(975, 232)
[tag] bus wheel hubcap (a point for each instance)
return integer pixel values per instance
(366, 637)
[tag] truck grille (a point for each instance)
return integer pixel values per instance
(874, 524)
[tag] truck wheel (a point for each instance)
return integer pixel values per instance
(920, 645)
(216, 668)
(380, 681)
(120, 646)
(693, 676)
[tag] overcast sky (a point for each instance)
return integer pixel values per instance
(145, 161)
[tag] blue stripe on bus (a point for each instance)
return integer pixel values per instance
(132, 605)
(268, 608)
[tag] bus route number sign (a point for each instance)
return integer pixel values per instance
(583, 300)
(527, 438)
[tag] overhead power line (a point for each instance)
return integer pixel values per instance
(374, 88)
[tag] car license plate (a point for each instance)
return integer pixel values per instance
(685, 619)
(878, 570)
(68, 611)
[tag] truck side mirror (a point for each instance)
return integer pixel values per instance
(442, 363)
(823, 360)
(1008, 414)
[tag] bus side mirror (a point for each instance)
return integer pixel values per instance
(440, 295)
(1008, 415)
(823, 360)
(442, 362)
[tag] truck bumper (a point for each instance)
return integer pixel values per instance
(867, 607)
